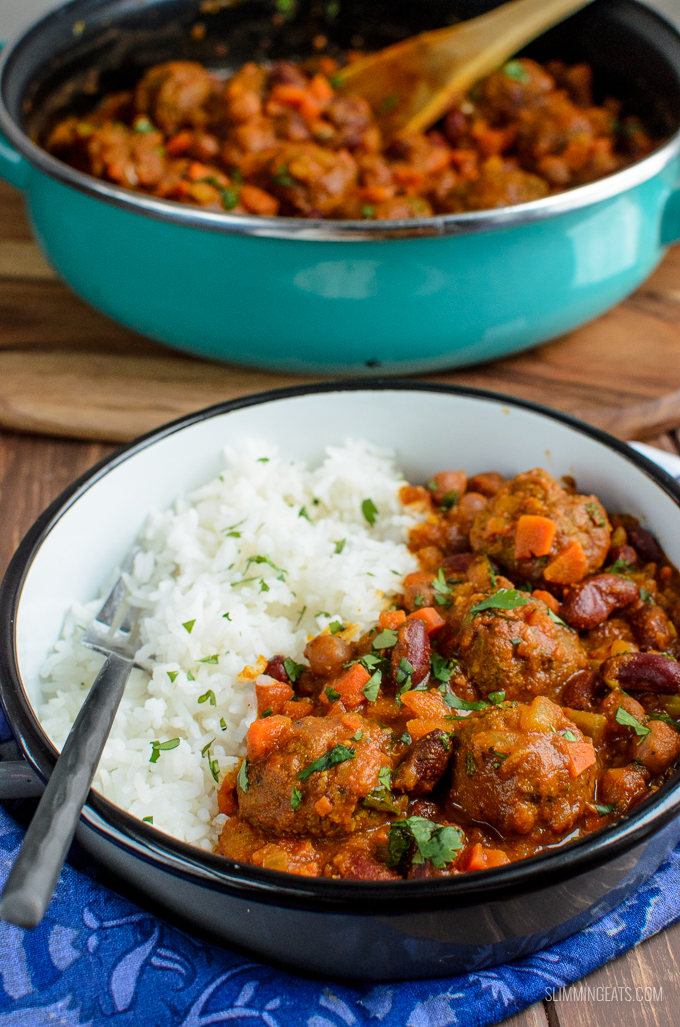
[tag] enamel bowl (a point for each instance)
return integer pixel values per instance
(365, 930)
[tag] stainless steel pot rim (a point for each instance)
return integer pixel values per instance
(216, 872)
(304, 230)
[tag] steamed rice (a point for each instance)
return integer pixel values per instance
(252, 564)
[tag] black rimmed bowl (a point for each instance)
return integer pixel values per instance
(337, 296)
(363, 930)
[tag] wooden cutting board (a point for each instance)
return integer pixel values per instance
(67, 370)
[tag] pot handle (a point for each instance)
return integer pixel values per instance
(13, 168)
(670, 220)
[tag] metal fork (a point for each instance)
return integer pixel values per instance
(31, 883)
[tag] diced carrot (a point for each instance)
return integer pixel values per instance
(301, 99)
(297, 709)
(481, 858)
(351, 722)
(418, 578)
(179, 144)
(391, 619)
(424, 725)
(581, 756)
(271, 694)
(548, 599)
(198, 170)
(323, 807)
(257, 201)
(377, 193)
(349, 685)
(321, 89)
(433, 620)
(265, 735)
(534, 536)
(569, 567)
(425, 704)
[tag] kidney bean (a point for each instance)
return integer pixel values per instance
(651, 626)
(424, 764)
(327, 655)
(625, 553)
(591, 601)
(643, 672)
(645, 544)
(413, 644)
(447, 486)
(275, 669)
(458, 563)
(580, 690)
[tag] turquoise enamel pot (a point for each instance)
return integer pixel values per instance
(328, 296)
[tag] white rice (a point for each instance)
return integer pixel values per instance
(201, 562)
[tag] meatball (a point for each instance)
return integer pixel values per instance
(521, 767)
(520, 651)
(500, 184)
(580, 538)
(324, 802)
(173, 93)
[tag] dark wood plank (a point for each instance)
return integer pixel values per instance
(534, 1016)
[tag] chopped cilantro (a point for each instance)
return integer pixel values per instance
(158, 747)
(214, 770)
(331, 694)
(147, 820)
(229, 198)
(208, 696)
(303, 513)
(470, 765)
(242, 777)
(190, 676)
(647, 597)
(450, 500)
(227, 616)
(496, 697)
(628, 720)
(603, 809)
(267, 713)
(370, 511)
(188, 624)
(295, 798)
(434, 842)
(338, 754)
(358, 736)
(293, 669)
(504, 599)
(555, 619)
(372, 686)
(516, 71)
(263, 559)
(143, 125)
(339, 545)
(210, 659)
(336, 627)
(385, 639)
(406, 738)
(570, 736)
(223, 724)
(621, 567)
(418, 601)
(302, 613)
(207, 746)
(368, 211)
(172, 674)
(462, 704)
(442, 669)
(282, 177)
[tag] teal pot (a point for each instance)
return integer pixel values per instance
(337, 296)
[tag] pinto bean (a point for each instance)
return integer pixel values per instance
(646, 546)
(424, 764)
(327, 654)
(447, 487)
(643, 672)
(275, 669)
(468, 508)
(413, 644)
(487, 484)
(580, 690)
(591, 601)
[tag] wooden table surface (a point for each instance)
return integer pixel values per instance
(34, 470)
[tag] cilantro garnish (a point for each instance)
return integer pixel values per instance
(496, 697)
(516, 71)
(555, 619)
(385, 640)
(172, 674)
(442, 669)
(188, 624)
(229, 198)
(223, 724)
(190, 676)
(264, 559)
(620, 567)
(462, 704)
(647, 597)
(442, 588)
(242, 777)
(295, 798)
(370, 511)
(381, 796)
(372, 686)
(207, 746)
(210, 659)
(158, 747)
(603, 810)
(504, 599)
(303, 513)
(293, 669)
(282, 177)
(338, 754)
(434, 842)
(331, 694)
(628, 720)
(406, 738)
(268, 712)
(358, 736)
(208, 696)
(418, 601)
(336, 627)
(147, 820)
(570, 736)
(339, 545)
(368, 211)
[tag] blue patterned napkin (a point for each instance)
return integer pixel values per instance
(98, 960)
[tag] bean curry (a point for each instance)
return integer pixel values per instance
(282, 140)
(522, 692)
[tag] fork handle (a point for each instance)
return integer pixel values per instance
(33, 877)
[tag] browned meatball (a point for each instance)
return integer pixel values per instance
(580, 521)
(500, 184)
(519, 85)
(520, 651)
(520, 767)
(173, 93)
(324, 803)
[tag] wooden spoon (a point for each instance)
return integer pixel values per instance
(411, 84)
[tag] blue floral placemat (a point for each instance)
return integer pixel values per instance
(98, 960)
